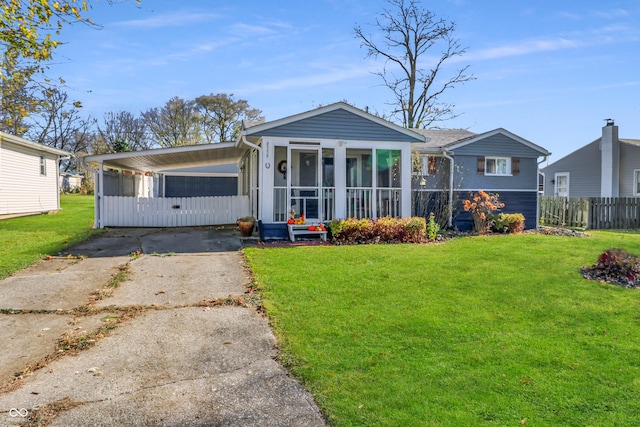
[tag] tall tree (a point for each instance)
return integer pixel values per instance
(29, 31)
(122, 131)
(222, 116)
(58, 124)
(409, 35)
(175, 124)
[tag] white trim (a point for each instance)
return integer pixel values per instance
(496, 158)
(635, 182)
(33, 145)
(221, 175)
(555, 184)
(326, 109)
(502, 131)
(497, 190)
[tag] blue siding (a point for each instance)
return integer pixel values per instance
(629, 161)
(337, 124)
(497, 145)
(200, 186)
(525, 203)
(467, 175)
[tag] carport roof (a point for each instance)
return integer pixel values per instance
(161, 159)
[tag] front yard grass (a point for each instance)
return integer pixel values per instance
(25, 240)
(496, 330)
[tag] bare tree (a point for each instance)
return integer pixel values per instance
(122, 131)
(175, 124)
(410, 34)
(222, 116)
(58, 124)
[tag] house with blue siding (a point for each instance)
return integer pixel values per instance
(333, 162)
(606, 167)
(454, 164)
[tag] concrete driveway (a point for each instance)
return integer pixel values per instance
(149, 327)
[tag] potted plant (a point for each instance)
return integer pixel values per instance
(246, 225)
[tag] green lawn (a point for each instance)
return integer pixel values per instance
(25, 240)
(496, 330)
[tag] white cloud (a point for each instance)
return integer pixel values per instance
(175, 19)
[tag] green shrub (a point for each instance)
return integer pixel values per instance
(383, 230)
(432, 227)
(508, 223)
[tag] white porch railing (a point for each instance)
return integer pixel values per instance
(359, 202)
(388, 202)
(173, 211)
(281, 213)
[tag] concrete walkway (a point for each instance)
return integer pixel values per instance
(143, 327)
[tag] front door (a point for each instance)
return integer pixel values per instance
(304, 182)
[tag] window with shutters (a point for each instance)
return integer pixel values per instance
(499, 166)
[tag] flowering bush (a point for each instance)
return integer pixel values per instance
(615, 266)
(383, 230)
(508, 223)
(481, 205)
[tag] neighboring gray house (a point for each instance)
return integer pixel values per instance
(29, 176)
(606, 167)
(497, 161)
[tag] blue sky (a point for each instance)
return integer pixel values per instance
(548, 71)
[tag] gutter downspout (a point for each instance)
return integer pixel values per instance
(544, 180)
(58, 160)
(244, 140)
(453, 163)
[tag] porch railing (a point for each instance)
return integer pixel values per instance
(359, 202)
(389, 202)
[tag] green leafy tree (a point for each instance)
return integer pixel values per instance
(29, 31)
(175, 124)
(222, 116)
(409, 34)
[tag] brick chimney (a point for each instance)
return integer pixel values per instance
(610, 160)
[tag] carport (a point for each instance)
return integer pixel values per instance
(130, 187)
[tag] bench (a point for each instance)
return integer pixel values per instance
(303, 229)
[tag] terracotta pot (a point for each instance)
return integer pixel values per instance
(246, 227)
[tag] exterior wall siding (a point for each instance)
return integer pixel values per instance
(584, 170)
(522, 202)
(200, 186)
(22, 188)
(467, 175)
(497, 145)
(337, 124)
(629, 161)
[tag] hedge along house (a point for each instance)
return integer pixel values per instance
(454, 164)
(29, 176)
(332, 162)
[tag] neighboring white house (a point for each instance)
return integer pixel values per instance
(70, 182)
(29, 176)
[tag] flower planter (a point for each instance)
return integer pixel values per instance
(246, 226)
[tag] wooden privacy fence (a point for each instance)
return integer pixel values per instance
(173, 211)
(597, 213)
(563, 212)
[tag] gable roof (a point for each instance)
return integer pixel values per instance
(313, 120)
(5, 137)
(452, 139)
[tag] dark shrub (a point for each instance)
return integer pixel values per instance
(615, 266)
